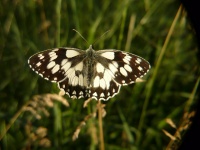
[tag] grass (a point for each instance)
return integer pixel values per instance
(158, 31)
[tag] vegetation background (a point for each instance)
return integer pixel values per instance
(156, 30)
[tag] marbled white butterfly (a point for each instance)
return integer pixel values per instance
(90, 73)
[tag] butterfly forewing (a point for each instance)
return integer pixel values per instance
(53, 64)
(89, 74)
(125, 67)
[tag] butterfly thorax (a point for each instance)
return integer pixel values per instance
(90, 61)
(90, 52)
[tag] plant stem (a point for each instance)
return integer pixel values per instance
(13, 119)
(101, 145)
(155, 73)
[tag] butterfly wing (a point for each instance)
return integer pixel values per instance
(124, 67)
(75, 83)
(53, 64)
(64, 66)
(114, 68)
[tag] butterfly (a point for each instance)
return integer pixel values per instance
(89, 73)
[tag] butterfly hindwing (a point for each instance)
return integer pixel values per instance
(103, 86)
(72, 91)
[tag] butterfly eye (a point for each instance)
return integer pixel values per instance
(89, 74)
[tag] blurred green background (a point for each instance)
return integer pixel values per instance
(156, 30)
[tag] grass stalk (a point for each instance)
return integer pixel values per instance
(13, 119)
(101, 138)
(58, 14)
(57, 109)
(157, 66)
(192, 96)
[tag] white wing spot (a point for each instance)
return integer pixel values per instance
(99, 68)
(96, 81)
(128, 68)
(69, 71)
(73, 97)
(53, 58)
(115, 64)
(51, 54)
(79, 66)
(80, 80)
(40, 56)
(123, 71)
(55, 78)
(55, 50)
(108, 55)
(138, 60)
(95, 94)
(112, 68)
(38, 64)
(127, 57)
(70, 74)
(140, 68)
(107, 77)
(75, 81)
(102, 95)
(51, 64)
(55, 69)
(64, 61)
(102, 83)
(126, 61)
(66, 66)
(71, 53)
(74, 92)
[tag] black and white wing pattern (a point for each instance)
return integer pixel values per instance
(89, 74)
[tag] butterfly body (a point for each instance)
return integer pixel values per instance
(89, 74)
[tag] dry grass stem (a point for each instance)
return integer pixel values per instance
(58, 98)
(86, 102)
(184, 125)
(99, 108)
(169, 135)
(100, 116)
(38, 104)
(37, 136)
(103, 111)
(61, 93)
(170, 122)
(82, 123)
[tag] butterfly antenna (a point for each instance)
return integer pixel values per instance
(81, 36)
(101, 36)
